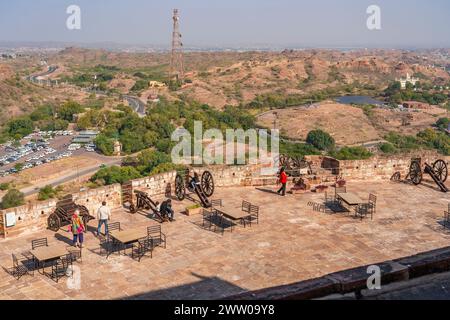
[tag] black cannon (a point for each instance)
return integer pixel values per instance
(62, 216)
(438, 172)
(144, 202)
(203, 187)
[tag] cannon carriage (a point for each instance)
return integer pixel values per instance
(438, 172)
(295, 166)
(203, 187)
(144, 202)
(62, 216)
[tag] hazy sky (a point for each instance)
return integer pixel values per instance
(329, 23)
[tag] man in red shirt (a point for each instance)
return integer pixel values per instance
(283, 180)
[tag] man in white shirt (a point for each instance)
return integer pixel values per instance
(103, 215)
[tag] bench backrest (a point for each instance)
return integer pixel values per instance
(114, 226)
(250, 208)
(39, 243)
(216, 203)
(154, 231)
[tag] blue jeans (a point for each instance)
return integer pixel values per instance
(78, 237)
(169, 213)
(100, 222)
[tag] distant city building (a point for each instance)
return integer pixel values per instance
(8, 56)
(156, 84)
(416, 105)
(408, 79)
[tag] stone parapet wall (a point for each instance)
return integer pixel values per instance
(224, 176)
(382, 168)
(33, 216)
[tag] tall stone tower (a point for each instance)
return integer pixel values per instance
(176, 59)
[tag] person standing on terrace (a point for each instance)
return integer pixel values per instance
(77, 227)
(283, 180)
(103, 216)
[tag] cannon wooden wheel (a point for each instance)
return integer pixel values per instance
(396, 177)
(415, 173)
(441, 170)
(207, 183)
(54, 222)
(180, 188)
(283, 160)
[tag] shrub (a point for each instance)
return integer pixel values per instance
(387, 148)
(47, 193)
(297, 149)
(18, 166)
(436, 140)
(4, 186)
(320, 139)
(115, 174)
(443, 123)
(140, 85)
(13, 198)
(166, 167)
(351, 153)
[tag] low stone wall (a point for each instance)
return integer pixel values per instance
(224, 176)
(33, 216)
(382, 168)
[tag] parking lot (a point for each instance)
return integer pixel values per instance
(37, 149)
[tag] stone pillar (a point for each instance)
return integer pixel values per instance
(117, 148)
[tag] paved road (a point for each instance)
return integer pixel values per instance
(50, 70)
(136, 103)
(67, 178)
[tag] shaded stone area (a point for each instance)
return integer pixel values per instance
(431, 287)
(292, 243)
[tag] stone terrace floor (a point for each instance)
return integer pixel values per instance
(292, 243)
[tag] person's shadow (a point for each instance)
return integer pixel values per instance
(63, 238)
(267, 191)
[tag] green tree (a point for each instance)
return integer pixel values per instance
(42, 113)
(13, 198)
(68, 109)
(320, 139)
(148, 160)
(104, 144)
(140, 85)
(19, 127)
(115, 174)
